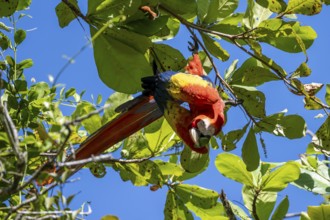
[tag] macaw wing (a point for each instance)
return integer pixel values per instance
(192, 89)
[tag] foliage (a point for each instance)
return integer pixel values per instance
(36, 135)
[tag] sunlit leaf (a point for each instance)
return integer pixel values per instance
(255, 14)
(262, 202)
(234, 168)
(287, 36)
(250, 153)
(281, 209)
(201, 197)
(305, 7)
(19, 36)
(91, 123)
(323, 136)
(175, 209)
(278, 179)
(273, 5)
(321, 212)
(214, 213)
(229, 140)
(302, 71)
(115, 100)
(23, 4)
(169, 169)
(109, 217)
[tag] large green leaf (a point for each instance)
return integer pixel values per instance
(230, 25)
(146, 26)
(305, 7)
(287, 36)
(201, 197)
(321, 212)
(140, 174)
(120, 55)
(64, 14)
(210, 11)
(169, 57)
(252, 73)
(281, 209)
(250, 153)
(278, 180)
(273, 5)
(214, 213)
(168, 31)
(192, 161)
(162, 139)
(7, 8)
(263, 203)
(136, 146)
(255, 14)
(290, 126)
(234, 168)
(175, 209)
(169, 169)
(253, 100)
(215, 48)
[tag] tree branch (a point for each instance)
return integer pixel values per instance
(227, 206)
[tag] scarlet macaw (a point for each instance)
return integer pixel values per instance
(165, 94)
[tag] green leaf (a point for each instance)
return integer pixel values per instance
(110, 54)
(327, 94)
(255, 14)
(312, 103)
(290, 126)
(7, 8)
(273, 5)
(140, 174)
(4, 27)
(305, 7)
(302, 71)
(281, 209)
(214, 213)
(65, 14)
(23, 4)
(215, 48)
(234, 168)
(168, 31)
(136, 146)
(4, 41)
(198, 196)
(253, 100)
(321, 212)
(24, 64)
(185, 8)
(230, 25)
(109, 217)
(175, 209)
(210, 11)
(192, 161)
(91, 123)
(162, 139)
(250, 153)
(263, 202)
(115, 100)
(169, 169)
(146, 26)
(322, 140)
(118, 10)
(169, 57)
(279, 179)
(19, 36)
(287, 36)
(252, 73)
(229, 140)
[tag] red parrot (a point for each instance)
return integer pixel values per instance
(165, 94)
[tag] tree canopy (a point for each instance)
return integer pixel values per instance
(37, 133)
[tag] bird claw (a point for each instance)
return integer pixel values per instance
(193, 46)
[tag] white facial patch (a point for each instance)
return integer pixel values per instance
(194, 134)
(205, 127)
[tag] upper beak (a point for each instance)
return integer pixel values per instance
(198, 138)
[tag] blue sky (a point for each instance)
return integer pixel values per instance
(47, 44)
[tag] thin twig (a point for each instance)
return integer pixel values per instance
(101, 158)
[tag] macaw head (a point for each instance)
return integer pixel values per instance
(201, 131)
